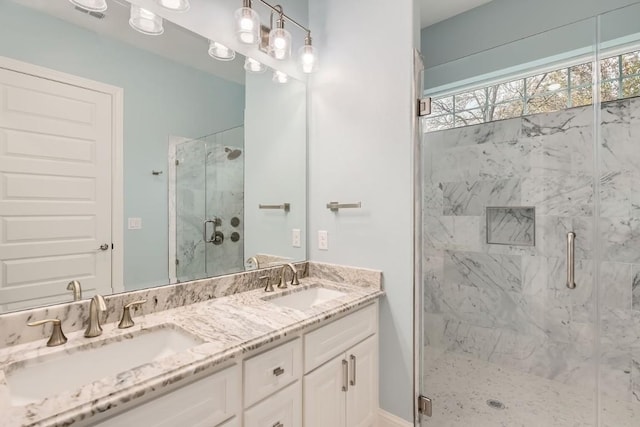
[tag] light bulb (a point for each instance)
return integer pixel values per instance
(220, 51)
(280, 77)
(91, 5)
(175, 5)
(280, 43)
(308, 58)
(145, 21)
(253, 66)
(247, 25)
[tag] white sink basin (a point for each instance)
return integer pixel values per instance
(302, 300)
(51, 374)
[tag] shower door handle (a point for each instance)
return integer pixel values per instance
(571, 260)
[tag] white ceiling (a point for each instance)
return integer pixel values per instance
(176, 44)
(432, 11)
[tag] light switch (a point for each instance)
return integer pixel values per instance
(135, 223)
(295, 237)
(323, 240)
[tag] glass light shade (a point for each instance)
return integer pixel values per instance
(220, 51)
(175, 5)
(308, 59)
(253, 66)
(280, 43)
(91, 5)
(280, 77)
(247, 25)
(145, 21)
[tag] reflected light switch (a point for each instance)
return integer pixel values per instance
(323, 240)
(135, 223)
(295, 237)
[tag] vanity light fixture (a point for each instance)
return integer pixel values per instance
(280, 77)
(308, 57)
(253, 66)
(175, 5)
(279, 38)
(145, 21)
(249, 31)
(247, 24)
(220, 52)
(91, 5)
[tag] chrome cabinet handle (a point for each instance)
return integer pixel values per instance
(571, 261)
(104, 247)
(278, 371)
(352, 381)
(345, 375)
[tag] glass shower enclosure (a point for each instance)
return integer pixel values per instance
(529, 259)
(208, 208)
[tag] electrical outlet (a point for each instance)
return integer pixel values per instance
(135, 223)
(323, 240)
(295, 238)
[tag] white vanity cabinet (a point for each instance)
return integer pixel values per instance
(209, 401)
(343, 391)
(326, 377)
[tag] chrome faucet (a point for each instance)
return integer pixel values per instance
(97, 306)
(294, 277)
(255, 262)
(74, 286)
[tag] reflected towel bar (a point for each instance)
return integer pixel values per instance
(285, 207)
(335, 206)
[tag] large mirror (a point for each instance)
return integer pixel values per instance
(129, 161)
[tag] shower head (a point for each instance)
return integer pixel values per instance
(233, 153)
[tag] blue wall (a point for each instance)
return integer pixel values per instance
(508, 33)
(161, 98)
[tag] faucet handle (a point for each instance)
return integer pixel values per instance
(294, 279)
(57, 336)
(268, 287)
(126, 321)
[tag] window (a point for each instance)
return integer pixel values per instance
(541, 93)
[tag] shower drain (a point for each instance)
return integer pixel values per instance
(495, 404)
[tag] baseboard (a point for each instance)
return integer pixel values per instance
(385, 419)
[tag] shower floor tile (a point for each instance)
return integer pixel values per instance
(461, 387)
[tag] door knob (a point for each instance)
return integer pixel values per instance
(104, 247)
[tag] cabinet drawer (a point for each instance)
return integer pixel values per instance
(268, 372)
(327, 342)
(282, 409)
(233, 422)
(206, 402)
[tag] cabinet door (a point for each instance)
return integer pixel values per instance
(362, 398)
(324, 399)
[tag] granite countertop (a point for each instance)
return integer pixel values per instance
(228, 327)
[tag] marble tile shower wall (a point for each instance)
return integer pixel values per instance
(209, 184)
(509, 304)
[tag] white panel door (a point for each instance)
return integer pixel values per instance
(324, 400)
(55, 190)
(362, 398)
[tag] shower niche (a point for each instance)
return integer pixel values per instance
(511, 225)
(206, 196)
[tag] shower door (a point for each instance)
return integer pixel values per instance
(530, 250)
(507, 178)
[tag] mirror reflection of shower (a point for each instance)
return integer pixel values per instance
(233, 153)
(207, 213)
